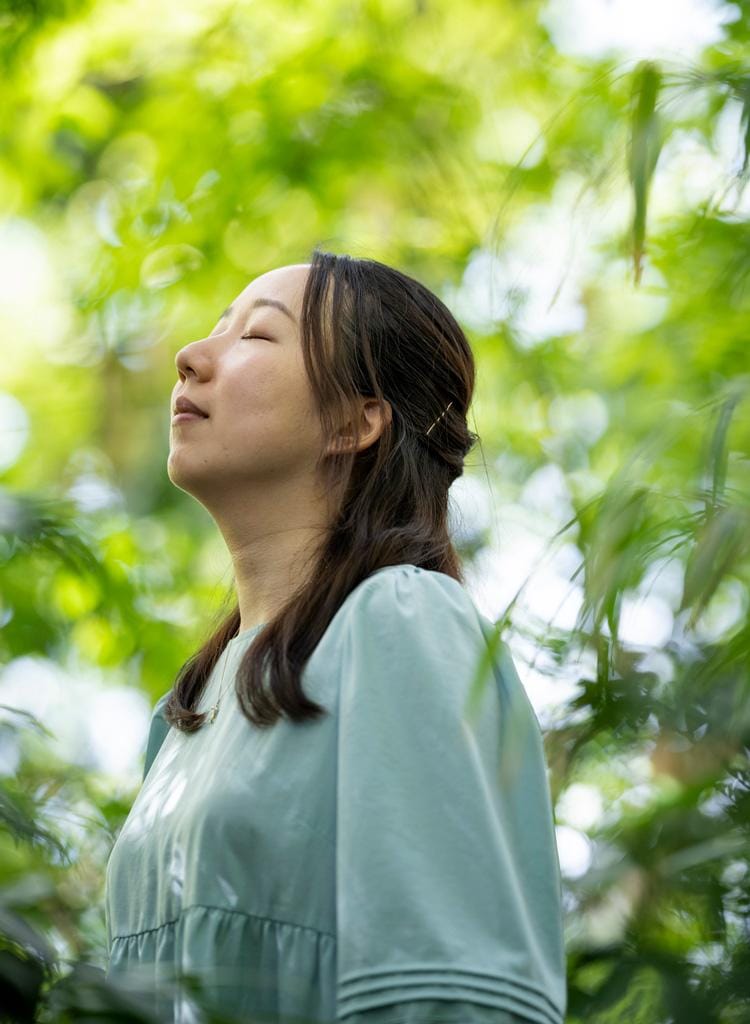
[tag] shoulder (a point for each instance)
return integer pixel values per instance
(409, 599)
(412, 628)
(157, 731)
(407, 629)
(159, 726)
(158, 710)
(158, 722)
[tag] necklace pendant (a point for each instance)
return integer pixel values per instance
(213, 712)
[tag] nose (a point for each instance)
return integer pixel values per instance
(192, 359)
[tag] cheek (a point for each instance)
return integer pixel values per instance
(269, 391)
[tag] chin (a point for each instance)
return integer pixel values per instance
(178, 474)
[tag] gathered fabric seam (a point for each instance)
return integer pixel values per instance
(225, 910)
(512, 1017)
(447, 1020)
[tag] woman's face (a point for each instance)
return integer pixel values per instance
(248, 375)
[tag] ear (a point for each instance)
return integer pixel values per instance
(372, 422)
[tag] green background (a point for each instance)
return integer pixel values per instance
(585, 215)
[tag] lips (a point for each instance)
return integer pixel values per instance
(184, 404)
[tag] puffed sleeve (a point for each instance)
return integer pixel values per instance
(448, 887)
(157, 730)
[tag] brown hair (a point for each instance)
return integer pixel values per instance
(366, 330)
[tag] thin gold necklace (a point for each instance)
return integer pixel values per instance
(214, 710)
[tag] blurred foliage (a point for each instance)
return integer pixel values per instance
(156, 157)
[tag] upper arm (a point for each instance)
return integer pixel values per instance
(447, 880)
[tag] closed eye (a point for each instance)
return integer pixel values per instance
(249, 336)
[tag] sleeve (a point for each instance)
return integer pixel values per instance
(158, 729)
(448, 887)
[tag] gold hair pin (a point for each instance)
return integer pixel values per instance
(445, 410)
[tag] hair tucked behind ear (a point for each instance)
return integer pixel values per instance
(366, 330)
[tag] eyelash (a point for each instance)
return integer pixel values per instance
(250, 336)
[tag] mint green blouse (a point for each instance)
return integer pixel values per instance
(393, 862)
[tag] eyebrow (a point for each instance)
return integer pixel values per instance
(264, 302)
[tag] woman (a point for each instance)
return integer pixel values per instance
(329, 829)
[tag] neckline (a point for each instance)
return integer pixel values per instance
(245, 633)
(252, 630)
(394, 565)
